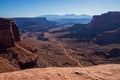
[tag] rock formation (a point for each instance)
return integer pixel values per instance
(99, 29)
(15, 31)
(9, 33)
(34, 24)
(10, 50)
(108, 37)
(6, 34)
(105, 22)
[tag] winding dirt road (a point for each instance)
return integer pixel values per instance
(67, 54)
(65, 51)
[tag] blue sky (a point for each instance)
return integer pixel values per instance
(32, 8)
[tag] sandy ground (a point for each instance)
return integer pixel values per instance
(100, 72)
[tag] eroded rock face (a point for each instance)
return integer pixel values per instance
(34, 24)
(10, 50)
(108, 37)
(99, 28)
(24, 58)
(15, 31)
(8, 33)
(106, 22)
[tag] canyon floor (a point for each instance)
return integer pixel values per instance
(100, 72)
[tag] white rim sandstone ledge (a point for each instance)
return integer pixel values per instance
(100, 72)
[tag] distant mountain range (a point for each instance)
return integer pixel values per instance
(69, 18)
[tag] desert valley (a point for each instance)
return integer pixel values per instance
(59, 47)
(75, 47)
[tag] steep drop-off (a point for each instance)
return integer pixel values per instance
(97, 29)
(12, 55)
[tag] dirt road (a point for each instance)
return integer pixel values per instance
(65, 51)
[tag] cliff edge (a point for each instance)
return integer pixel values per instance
(100, 72)
(12, 55)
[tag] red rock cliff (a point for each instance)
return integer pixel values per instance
(9, 33)
(10, 50)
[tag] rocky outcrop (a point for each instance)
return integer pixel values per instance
(10, 50)
(24, 58)
(105, 22)
(108, 37)
(6, 34)
(99, 29)
(34, 24)
(101, 72)
(15, 31)
(112, 55)
(9, 33)
(102, 23)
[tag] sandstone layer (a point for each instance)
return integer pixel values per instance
(100, 72)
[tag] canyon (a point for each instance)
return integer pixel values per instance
(81, 51)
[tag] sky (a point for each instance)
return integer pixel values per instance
(33, 8)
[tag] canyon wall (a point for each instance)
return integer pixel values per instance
(11, 50)
(103, 29)
(9, 33)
